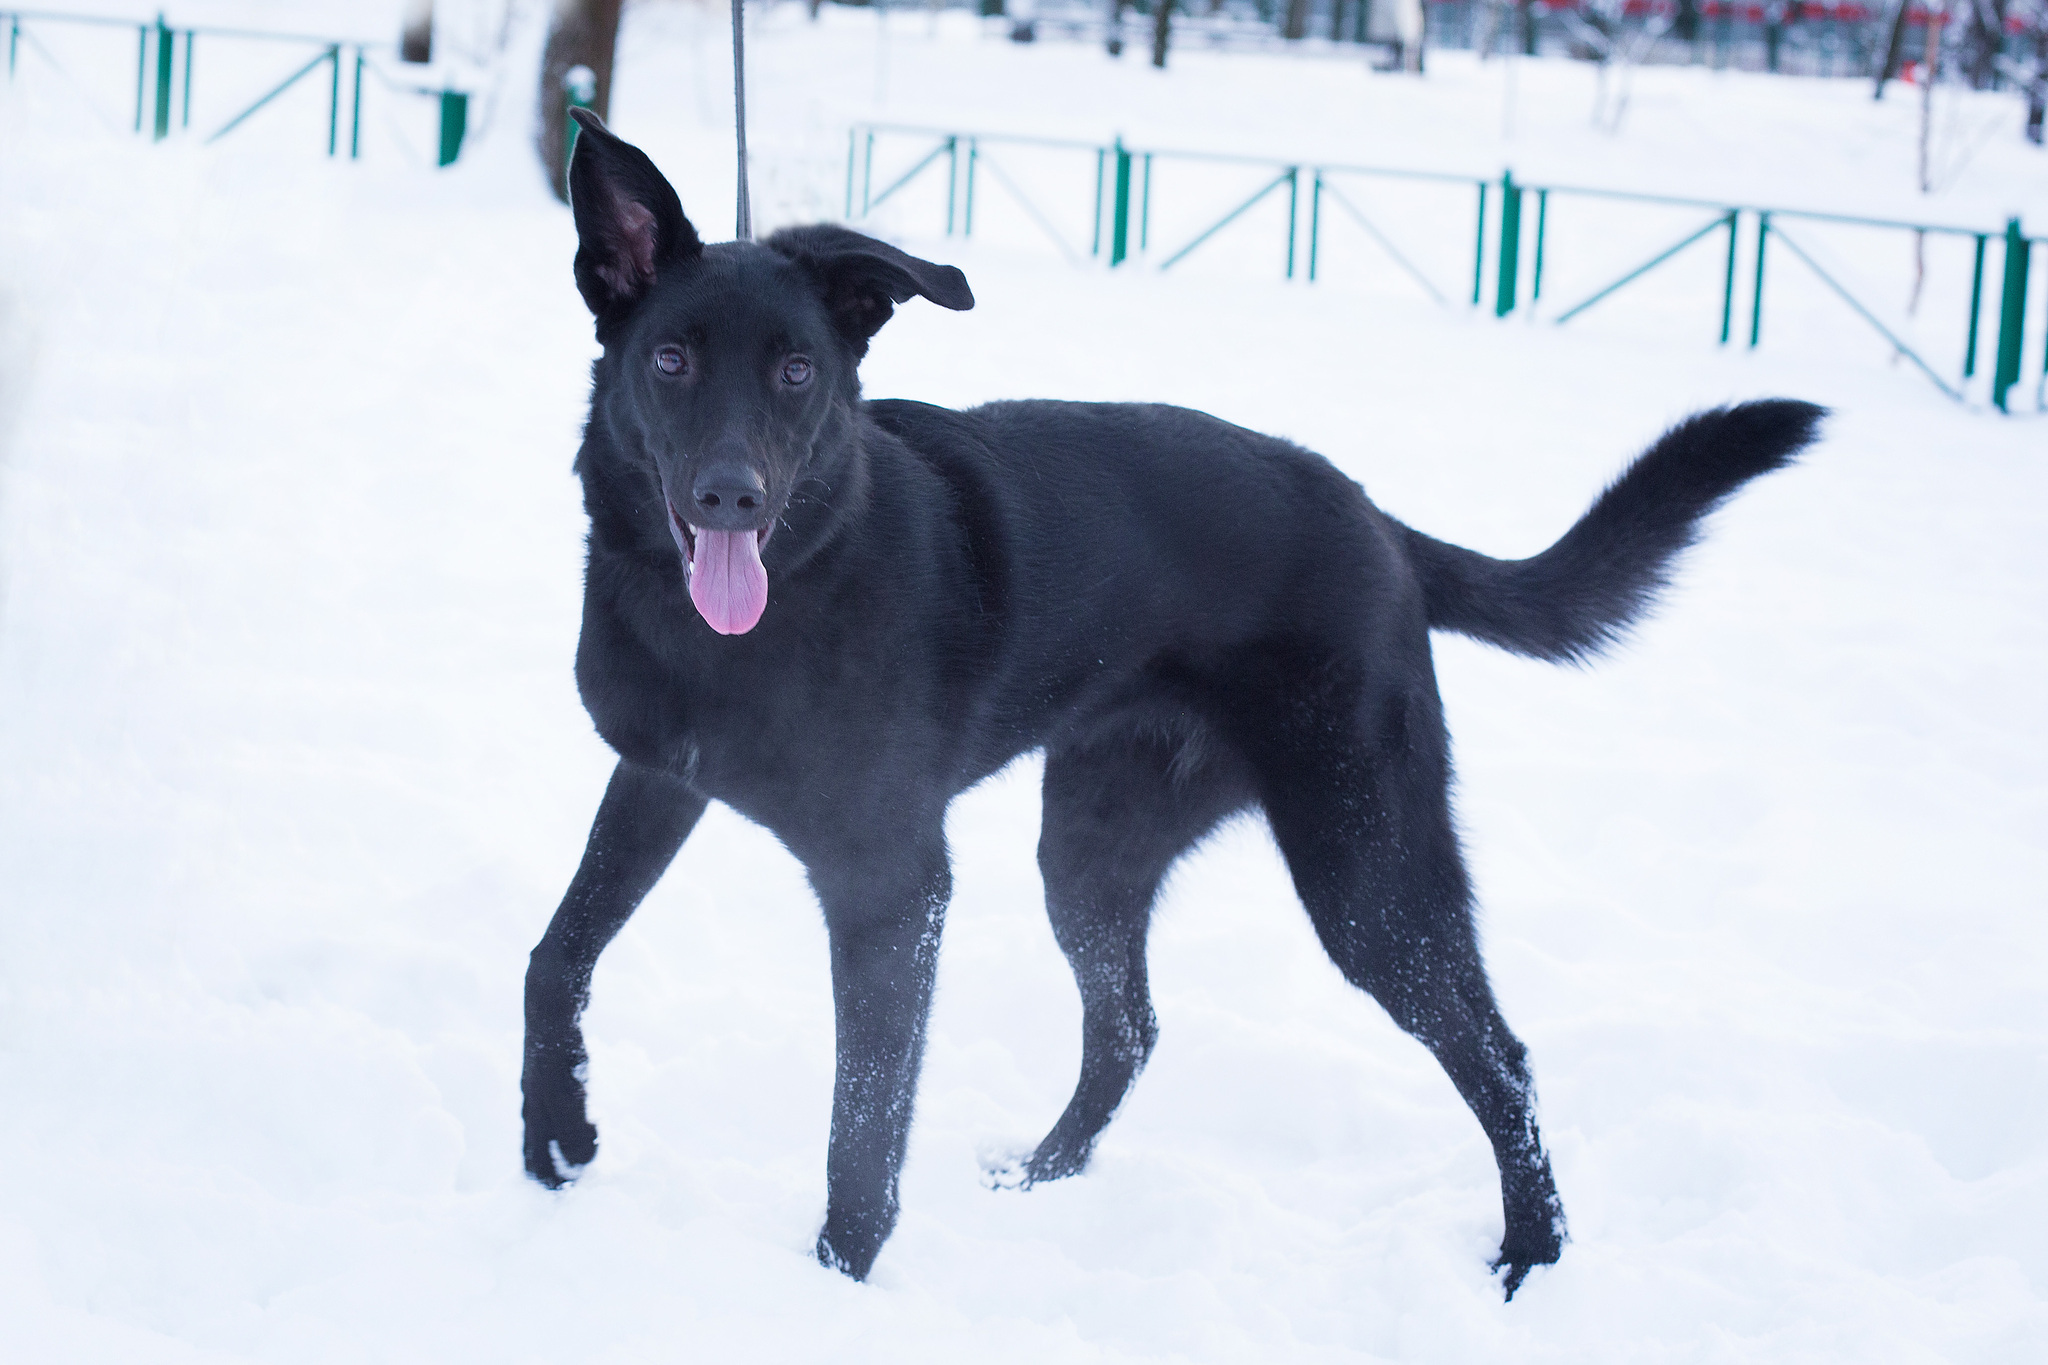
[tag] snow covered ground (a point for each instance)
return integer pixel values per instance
(292, 772)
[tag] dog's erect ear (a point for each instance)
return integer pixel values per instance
(629, 223)
(862, 280)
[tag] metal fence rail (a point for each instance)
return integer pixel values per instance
(1123, 189)
(164, 73)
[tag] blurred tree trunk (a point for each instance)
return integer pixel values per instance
(1295, 25)
(2037, 86)
(416, 32)
(1894, 50)
(1982, 39)
(1162, 30)
(580, 33)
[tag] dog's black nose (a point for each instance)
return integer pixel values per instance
(729, 498)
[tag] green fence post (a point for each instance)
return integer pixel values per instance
(333, 98)
(952, 177)
(13, 42)
(454, 124)
(1145, 206)
(1293, 213)
(1510, 244)
(141, 69)
(1542, 218)
(1976, 307)
(1479, 247)
(355, 114)
(1315, 219)
(165, 47)
(1728, 283)
(967, 212)
(1120, 208)
(1101, 160)
(2012, 314)
(185, 113)
(1756, 303)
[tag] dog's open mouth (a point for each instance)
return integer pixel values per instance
(727, 583)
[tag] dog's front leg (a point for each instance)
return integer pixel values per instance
(642, 821)
(884, 909)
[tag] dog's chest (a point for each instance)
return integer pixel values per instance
(784, 728)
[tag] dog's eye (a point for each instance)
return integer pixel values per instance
(671, 360)
(796, 370)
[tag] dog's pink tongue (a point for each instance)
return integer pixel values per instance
(727, 581)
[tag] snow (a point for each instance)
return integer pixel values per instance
(292, 772)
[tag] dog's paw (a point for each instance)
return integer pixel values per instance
(1005, 1169)
(1511, 1273)
(555, 1163)
(1010, 1170)
(559, 1143)
(1514, 1265)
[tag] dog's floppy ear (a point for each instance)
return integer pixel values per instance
(629, 223)
(862, 280)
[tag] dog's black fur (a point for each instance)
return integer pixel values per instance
(1190, 620)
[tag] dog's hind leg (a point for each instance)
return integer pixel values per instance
(883, 884)
(1356, 793)
(1118, 812)
(641, 823)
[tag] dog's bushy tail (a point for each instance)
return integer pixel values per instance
(1583, 593)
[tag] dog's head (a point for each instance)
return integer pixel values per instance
(727, 369)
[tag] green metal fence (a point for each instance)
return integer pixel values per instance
(164, 75)
(1509, 239)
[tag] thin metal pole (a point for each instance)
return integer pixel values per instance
(744, 228)
(141, 69)
(355, 119)
(1145, 207)
(1728, 283)
(967, 213)
(852, 140)
(1976, 307)
(1285, 177)
(1293, 203)
(334, 99)
(1854, 303)
(1479, 246)
(1542, 217)
(185, 115)
(1756, 304)
(1095, 246)
(1712, 225)
(1315, 220)
(867, 174)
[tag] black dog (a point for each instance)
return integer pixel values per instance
(1189, 619)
